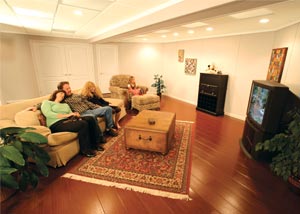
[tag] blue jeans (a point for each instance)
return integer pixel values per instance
(105, 111)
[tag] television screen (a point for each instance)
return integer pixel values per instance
(259, 98)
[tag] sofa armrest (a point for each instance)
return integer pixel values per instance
(43, 130)
(144, 88)
(7, 123)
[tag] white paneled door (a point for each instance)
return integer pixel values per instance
(55, 62)
(107, 65)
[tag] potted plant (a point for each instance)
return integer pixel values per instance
(286, 146)
(159, 84)
(21, 158)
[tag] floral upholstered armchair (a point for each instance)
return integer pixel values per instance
(119, 88)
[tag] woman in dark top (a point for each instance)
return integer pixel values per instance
(94, 95)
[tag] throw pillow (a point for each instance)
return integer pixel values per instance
(27, 118)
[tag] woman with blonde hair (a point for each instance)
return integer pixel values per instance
(93, 94)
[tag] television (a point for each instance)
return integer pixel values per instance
(266, 104)
(266, 108)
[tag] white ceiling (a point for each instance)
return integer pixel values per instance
(144, 20)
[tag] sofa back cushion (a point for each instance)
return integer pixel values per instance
(8, 111)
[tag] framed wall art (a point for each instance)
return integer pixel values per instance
(190, 66)
(180, 55)
(276, 64)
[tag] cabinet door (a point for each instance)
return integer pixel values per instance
(55, 62)
(49, 65)
(79, 61)
(107, 65)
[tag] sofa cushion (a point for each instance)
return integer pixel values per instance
(27, 118)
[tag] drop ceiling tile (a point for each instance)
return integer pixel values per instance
(65, 18)
(145, 5)
(45, 6)
(90, 4)
(113, 16)
(7, 16)
(36, 23)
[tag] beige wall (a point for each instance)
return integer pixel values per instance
(17, 73)
(141, 61)
(242, 57)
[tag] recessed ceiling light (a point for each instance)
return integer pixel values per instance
(164, 36)
(145, 39)
(191, 31)
(175, 34)
(77, 12)
(263, 21)
(209, 29)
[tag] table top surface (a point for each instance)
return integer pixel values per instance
(163, 120)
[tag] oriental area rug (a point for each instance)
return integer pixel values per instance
(142, 171)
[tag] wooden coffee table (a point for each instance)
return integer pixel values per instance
(157, 137)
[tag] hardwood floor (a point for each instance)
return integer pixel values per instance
(223, 180)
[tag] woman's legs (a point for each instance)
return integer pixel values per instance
(117, 112)
(95, 133)
(79, 126)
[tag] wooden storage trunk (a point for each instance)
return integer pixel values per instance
(140, 134)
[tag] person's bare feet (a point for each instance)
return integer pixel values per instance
(118, 126)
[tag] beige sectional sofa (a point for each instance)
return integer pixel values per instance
(61, 146)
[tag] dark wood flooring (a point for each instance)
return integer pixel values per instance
(223, 180)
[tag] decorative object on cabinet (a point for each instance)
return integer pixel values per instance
(190, 66)
(276, 64)
(212, 93)
(180, 55)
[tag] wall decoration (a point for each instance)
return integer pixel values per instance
(190, 66)
(180, 55)
(276, 64)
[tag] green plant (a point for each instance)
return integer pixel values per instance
(159, 84)
(286, 147)
(21, 157)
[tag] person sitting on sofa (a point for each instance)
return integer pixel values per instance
(60, 118)
(93, 94)
(84, 107)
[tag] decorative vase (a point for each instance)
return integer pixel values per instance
(294, 183)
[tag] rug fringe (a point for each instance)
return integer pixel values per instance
(127, 187)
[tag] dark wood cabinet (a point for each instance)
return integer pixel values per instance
(212, 93)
